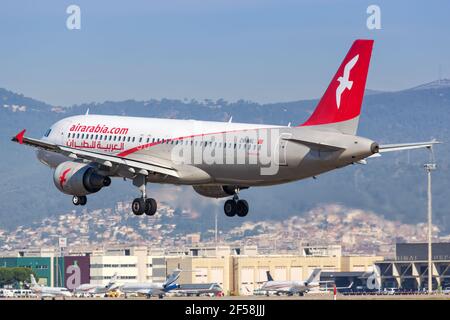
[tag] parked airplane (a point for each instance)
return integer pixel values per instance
(292, 287)
(198, 289)
(150, 289)
(48, 292)
(94, 289)
(219, 159)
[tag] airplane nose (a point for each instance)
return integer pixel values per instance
(374, 147)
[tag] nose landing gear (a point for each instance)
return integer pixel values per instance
(79, 200)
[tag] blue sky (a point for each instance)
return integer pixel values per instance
(266, 51)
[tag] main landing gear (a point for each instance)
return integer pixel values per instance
(79, 200)
(235, 206)
(143, 204)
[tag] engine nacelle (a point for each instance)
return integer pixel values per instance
(78, 179)
(215, 191)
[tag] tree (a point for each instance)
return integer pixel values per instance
(14, 275)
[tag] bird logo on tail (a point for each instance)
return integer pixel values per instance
(344, 81)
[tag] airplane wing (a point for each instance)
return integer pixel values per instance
(104, 159)
(337, 288)
(407, 146)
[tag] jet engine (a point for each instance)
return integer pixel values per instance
(215, 191)
(79, 179)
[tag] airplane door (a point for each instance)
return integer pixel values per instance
(282, 148)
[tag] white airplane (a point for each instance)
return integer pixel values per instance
(95, 289)
(219, 159)
(150, 289)
(292, 287)
(48, 292)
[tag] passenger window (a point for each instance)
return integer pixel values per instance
(140, 139)
(129, 139)
(68, 135)
(133, 139)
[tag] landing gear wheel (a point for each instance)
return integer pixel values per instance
(138, 206)
(83, 200)
(76, 200)
(150, 206)
(79, 200)
(230, 208)
(242, 208)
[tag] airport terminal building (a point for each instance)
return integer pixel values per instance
(409, 269)
(238, 271)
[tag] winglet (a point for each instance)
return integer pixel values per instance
(19, 137)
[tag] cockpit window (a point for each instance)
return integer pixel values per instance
(47, 133)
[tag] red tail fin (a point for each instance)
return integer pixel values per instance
(340, 106)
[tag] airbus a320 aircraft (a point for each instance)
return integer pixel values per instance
(217, 158)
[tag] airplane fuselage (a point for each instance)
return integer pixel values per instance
(209, 153)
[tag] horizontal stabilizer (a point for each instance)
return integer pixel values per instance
(407, 146)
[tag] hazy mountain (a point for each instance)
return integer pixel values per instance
(369, 92)
(437, 84)
(393, 185)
